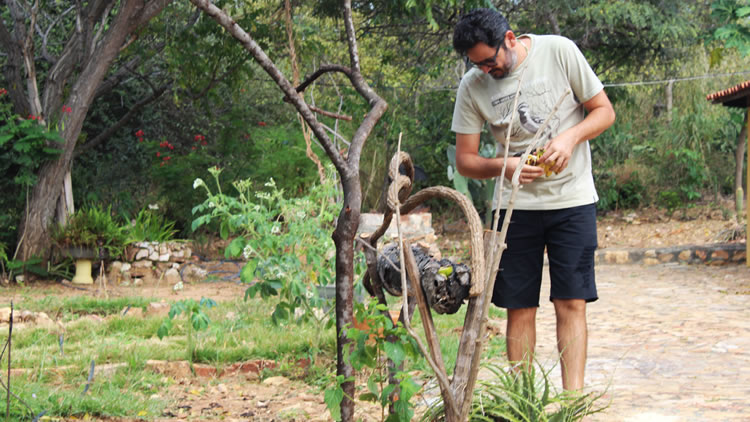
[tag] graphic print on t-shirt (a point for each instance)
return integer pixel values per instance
(531, 111)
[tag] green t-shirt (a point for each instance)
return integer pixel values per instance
(554, 63)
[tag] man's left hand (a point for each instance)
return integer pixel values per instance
(558, 151)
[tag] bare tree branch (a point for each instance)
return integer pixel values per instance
(45, 36)
(265, 62)
(377, 104)
(322, 70)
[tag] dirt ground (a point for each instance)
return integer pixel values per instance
(246, 398)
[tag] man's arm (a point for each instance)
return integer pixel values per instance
(600, 116)
(470, 164)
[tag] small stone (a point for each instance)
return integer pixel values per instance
(616, 257)
(154, 256)
(43, 320)
(24, 316)
(143, 264)
(114, 269)
(126, 267)
(685, 255)
(179, 369)
(194, 274)
(222, 388)
(203, 370)
(137, 282)
(276, 381)
(141, 254)
(131, 312)
(720, 254)
(5, 315)
(157, 309)
(164, 257)
(666, 257)
(172, 276)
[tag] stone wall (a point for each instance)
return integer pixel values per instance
(714, 254)
(152, 262)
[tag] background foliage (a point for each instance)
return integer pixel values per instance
(200, 102)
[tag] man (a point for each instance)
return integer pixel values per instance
(556, 211)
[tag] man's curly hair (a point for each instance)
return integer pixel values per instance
(479, 25)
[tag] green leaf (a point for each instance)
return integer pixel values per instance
(6, 138)
(200, 221)
(250, 291)
(207, 302)
(224, 230)
(247, 275)
(333, 398)
(372, 386)
(279, 314)
(386, 392)
(395, 352)
(164, 328)
(235, 247)
(199, 320)
(368, 397)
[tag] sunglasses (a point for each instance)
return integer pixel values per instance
(489, 62)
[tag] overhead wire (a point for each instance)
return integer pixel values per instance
(662, 81)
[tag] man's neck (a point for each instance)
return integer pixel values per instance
(522, 49)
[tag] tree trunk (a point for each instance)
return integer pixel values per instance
(34, 228)
(347, 168)
(739, 159)
(343, 237)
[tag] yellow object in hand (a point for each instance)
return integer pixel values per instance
(533, 160)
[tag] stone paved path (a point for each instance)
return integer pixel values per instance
(668, 343)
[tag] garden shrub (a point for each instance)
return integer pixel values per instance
(286, 241)
(25, 145)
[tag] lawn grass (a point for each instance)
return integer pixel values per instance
(239, 331)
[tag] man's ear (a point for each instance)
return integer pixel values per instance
(510, 38)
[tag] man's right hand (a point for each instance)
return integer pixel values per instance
(528, 173)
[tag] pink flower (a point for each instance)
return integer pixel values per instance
(3, 91)
(199, 138)
(67, 109)
(139, 133)
(158, 154)
(204, 143)
(261, 123)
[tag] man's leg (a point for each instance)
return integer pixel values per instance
(520, 338)
(572, 338)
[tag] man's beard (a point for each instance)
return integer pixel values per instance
(500, 72)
